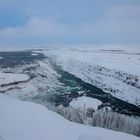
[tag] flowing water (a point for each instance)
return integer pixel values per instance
(74, 87)
(71, 87)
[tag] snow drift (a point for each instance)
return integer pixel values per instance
(29, 121)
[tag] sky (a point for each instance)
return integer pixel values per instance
(28, 22)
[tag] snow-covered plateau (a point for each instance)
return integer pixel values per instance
(115, 71)
(29, 121)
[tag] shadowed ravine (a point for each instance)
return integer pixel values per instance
(74, 87)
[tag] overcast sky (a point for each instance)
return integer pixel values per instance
(29, 22)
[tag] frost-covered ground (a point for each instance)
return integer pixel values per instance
(29, 121)
(116, 71)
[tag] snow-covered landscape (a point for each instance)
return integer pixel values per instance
(69, 70)
(116, 71)
(28, 121)
(98, 87)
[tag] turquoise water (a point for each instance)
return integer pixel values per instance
(74, 87)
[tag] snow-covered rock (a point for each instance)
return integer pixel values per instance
(85, 102)
(17, 85)
(29, 121)
(43, 78)
(10, 78)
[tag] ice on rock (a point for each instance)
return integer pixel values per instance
(9, 78)
(85, 102)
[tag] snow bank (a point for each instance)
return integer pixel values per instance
(85, 102)
(29, 121)
(9, 78)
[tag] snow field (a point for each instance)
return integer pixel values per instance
(29, 121)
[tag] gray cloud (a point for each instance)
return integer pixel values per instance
(119, 24)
